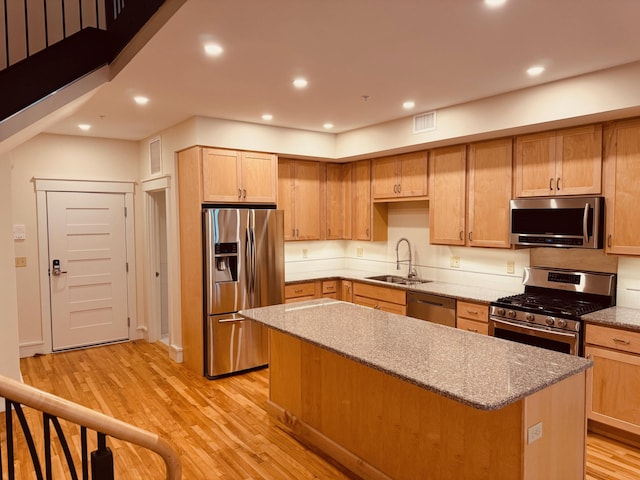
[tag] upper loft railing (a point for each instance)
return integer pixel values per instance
(18, 395)
(29, 26)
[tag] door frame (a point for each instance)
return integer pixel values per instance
(152, 299)
(44, 185)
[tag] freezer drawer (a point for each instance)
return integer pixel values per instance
(235, 343)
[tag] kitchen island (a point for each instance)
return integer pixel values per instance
(392, 397)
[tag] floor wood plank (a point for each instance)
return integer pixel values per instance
(220, 427)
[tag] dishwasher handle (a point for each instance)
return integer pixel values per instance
(426, 302)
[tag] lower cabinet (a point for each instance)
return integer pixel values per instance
(299, 292)
(473, 317)
(390, 300)
(330, 289)
(614, 380)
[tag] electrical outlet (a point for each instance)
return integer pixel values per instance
(534, 433)
(21, 261)
(511, 266)
(454, 261)
(360, 251)
(305, 253)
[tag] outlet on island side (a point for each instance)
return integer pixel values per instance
(454, 261)
(534, 433)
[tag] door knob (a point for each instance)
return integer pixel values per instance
(56, 270)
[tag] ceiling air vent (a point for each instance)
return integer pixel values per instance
(155, 159)
(425, 122)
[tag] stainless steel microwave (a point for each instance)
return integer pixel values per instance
(576, 222)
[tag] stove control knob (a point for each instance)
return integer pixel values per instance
(562, 323)
(550, 321)
(500, 311)
(530, 317)
(511, 314)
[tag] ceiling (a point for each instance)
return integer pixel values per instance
(362, 59)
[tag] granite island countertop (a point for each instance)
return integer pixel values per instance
(460, 292)
(483, 372)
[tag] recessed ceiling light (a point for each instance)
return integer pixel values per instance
(84, 127)
(140, 100)
(267, 117)
(300, 82)
(213, 49)
(408, 105)
(535, 70)
(494, 3)
(328, 125)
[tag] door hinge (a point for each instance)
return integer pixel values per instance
(128, 321)
(126, 266)
(125, 212)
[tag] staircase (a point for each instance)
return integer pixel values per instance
(46, 45)
(38, 434)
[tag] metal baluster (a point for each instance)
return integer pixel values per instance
(46, 23)
(26, 26)
(47, 446)
(6, 32)
(64, 21)
(9, 424)
(80, 13)
(85, 453)
(30, 443)
(97, 14)
(63, 443)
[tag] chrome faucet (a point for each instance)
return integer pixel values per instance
(411, 273)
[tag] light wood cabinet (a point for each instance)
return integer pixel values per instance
(489, 191)
(230, 176)
(331, 289)
(338, 201)
(390, 300)
(447, 195)
(301, 197)
(299, 292)
(346, 290)
(613, 382)
(473, 317)
(563, 162)
(400, 177)
(621, 180)
(369, 220)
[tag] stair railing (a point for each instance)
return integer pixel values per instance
(18, 395)
(33, 25)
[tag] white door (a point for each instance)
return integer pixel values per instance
(87, 236)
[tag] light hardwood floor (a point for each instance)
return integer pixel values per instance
(219, 427)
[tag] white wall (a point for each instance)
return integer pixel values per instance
(9, 357)
(485, 266)
(55, 157)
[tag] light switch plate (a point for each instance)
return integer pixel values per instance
(21, 261)
(19, 232)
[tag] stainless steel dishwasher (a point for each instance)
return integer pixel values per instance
(432, 308)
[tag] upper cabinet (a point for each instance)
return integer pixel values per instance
(369, 220)
(301, 196)
(400, 177)
(447, 194)
(621, 180)
(338, 201)
(489, 188)
(231, 176)
(563, 162)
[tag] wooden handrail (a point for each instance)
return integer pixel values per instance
(83, 416)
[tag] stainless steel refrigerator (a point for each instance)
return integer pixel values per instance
(244, 268)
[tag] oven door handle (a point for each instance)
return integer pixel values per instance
(541, 332)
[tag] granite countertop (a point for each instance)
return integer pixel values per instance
(619, 317)
(459, 292)
(483, 372)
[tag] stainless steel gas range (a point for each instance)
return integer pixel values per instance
(548, 313)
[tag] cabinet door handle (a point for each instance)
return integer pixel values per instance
(244, 193)
(609, 241)
(461, 235)
(297, 232)
(551, 184)
(558, 183)
(329, 231)
(471, 236)
(399, 188)
(472, 312)
(366, 232)
(474, 330)
(622, 341)
(239, 193)
(298, 290)
(293, 232)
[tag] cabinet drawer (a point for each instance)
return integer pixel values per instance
(329, 286)
(472, 311)
(391, 295)
(380, 305)
(613, 338)
(299, 299)
(474, 326)
(300, 290)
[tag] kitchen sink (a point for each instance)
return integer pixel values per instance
(398, 279)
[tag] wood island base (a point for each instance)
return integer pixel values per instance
(379, 426)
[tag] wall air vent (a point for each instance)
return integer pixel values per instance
(155, 158)
(425, 122)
